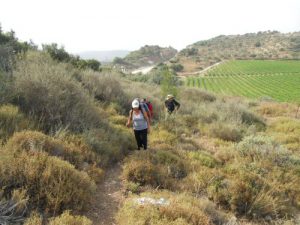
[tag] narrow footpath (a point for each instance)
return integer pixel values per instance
(108, 198)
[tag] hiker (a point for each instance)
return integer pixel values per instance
(141, 124)
(149, 106)
(171, 104)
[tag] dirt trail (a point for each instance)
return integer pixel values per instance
(200, 72)
(108, 198)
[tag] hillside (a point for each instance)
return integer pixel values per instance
(149, 55)
(68, 158)
(103, 56)
(261, 45)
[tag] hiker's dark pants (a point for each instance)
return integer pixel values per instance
(141, 138)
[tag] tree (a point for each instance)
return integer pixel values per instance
(56, 53)
(93, 64)
(118, 60)
(177, 67)
(61, 55)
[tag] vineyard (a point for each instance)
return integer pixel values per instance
(279, 80)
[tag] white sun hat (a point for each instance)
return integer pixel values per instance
(135, 104)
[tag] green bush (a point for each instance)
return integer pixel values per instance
(48, 93)
(262, 148)
(106, 88)
(203, 159)
(177, 67)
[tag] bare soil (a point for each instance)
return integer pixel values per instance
(108, 198)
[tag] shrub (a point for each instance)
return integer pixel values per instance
(258, 147)
(175, 165)
(287, 132)
(199, 179)
(155, 168)
(177, 67)
(181, 209)
(11, 120)
(52, 184)
(12, 211)
(47, 92)
(111, 143)
(144, 173)
(250, 118)
(194, 95)
(6, 85)
(34, 219)
(254, 182)
(227, 132)
(67, 219)
(162, 134)
(32, 141)
(204, 159)
(105, 88)
(251, 196)
(96, 173)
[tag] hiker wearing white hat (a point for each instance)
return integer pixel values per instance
(141, 124)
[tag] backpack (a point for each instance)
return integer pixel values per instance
(150, 107)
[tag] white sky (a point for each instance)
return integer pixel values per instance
(129, 24)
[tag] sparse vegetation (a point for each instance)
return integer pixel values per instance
(145, 56)
(262, 45)
(218, 160)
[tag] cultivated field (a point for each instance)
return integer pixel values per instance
(279, 80)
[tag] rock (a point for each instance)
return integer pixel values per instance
(151, 201)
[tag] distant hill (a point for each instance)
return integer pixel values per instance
(261, 45)
(103, 56)
(146, 56)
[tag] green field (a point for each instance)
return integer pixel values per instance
(279, 80)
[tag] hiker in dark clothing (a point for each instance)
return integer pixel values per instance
(171, 104)
(141, 124)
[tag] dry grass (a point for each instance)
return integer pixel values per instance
(52, 184)
(67, 219)
(12, 120)
(273, 109)
(287, 132)
(182, 209)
